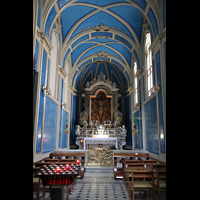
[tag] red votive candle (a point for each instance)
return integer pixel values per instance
(77, 162)
(54, 180)
(57, 169)
(60, 180)
(67, 167)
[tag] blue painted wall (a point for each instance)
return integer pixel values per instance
(74, 118)
(50, 125)
(64, 119)
(151, 126)
(38, 14)
(160, 104)
(36, 53)
(128, 120)
(41, 106)
(137, 127)
(50, 19)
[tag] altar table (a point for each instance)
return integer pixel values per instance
(97, 141)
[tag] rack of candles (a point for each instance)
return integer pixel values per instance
(58, 174)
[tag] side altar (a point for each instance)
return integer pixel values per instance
(100, 123)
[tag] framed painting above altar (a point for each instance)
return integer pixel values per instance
(101, 107)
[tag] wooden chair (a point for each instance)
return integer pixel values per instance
(37, 166)
(156, 167)
(160, 184)
(36, 182)
(126, 163)
(128, 172)
(148, 164)
(139, 156)
(141, 185)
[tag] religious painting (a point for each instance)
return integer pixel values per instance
(101, 108)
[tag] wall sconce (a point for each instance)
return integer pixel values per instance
(67, 130)
(48, 91)
(137, 106)
(64, 104)
(156, 88)
(134, 130)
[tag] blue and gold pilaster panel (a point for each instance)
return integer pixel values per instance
(74, 118)
(41, 105)
(36, 53)
(50, 126)
(160, 105)
(61, 111)
(136, 56)
(128, 120)
(144, 86)
(48, 72)
(140, 100)
(136, 122)
(151, 126)
(164, 12)
(64, 125)
(38, 14)
(60, 126)
(154, 77)
(58, 86)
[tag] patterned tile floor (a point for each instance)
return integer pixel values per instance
(99, 184)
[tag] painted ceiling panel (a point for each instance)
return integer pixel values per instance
(106, 19)
(102, 40)
(126, 23)
(111, 71)
(103, 69)
(132, 15)
(73, 13)
(123, 50)
(101, 2)
(77, 51)
(61, 3)
(101, 48)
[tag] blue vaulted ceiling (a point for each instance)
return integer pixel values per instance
(120, 43)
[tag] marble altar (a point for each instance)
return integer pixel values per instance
(94, 142)
(101, 119)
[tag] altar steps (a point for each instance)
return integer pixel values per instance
(98, 174)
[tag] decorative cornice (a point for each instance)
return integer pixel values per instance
(62, 72)
(101, 81)
(102, 54)
(101, 27)
(159, 38)
(44, 38)
(139, 72)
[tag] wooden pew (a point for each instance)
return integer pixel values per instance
(39, 164)
(52, 161)
(63, 154)
(142, 156)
